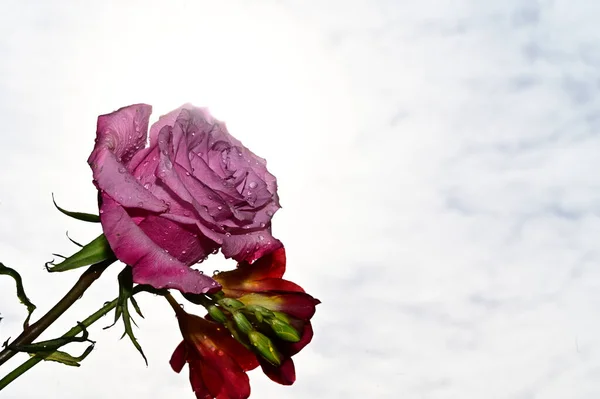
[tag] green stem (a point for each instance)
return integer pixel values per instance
(33, 331)
(23, 368)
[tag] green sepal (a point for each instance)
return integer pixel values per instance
(122, 308)
(96, 251)
(265, 347)
(283, 330)
(51, 345)
(86, 217)
(20, 291)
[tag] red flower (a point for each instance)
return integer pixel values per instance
(218, 363)
(261, 283)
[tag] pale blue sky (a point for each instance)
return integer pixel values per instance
(437, 164)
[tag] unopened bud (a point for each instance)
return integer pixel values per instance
(284, 331)
(231, 303)
(242, 322)
(216, 314)
(281, 316)
(265, 347)
(260, 312)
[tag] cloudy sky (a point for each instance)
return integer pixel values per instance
(437, 164)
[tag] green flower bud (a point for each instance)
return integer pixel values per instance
(242, 322)
(231, 303)
(260, 312)
(265, 347)
(283, 330)
(281, 316)
(216, 313)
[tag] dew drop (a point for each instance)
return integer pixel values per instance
(187, 173)
(216, 272)
(260, 238)
(226, 234)
(219, 207)
(252, 184)
(140, 204)
(122, 170)
(200, 271)
(269, 213)
(147, 185)
(262, 225)
(183, 252)
(101, 211)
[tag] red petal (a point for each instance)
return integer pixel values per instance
(290, 349)
(179, 357)
(274, 284)
(284, 374)
(271, 265)
(197, 382)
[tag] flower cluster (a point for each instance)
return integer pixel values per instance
(166, 206)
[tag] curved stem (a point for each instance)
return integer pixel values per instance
(34, 330)
(13, 375)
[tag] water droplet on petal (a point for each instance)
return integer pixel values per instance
(219, 207)
(200, 271)
(101, 211)
(216, 272)
(147, 185)
(252, 184)
(260, 238)
(122, 170)
(262, 225)
(140, 204)
(187, 173)
(226, 234)
(183, 252)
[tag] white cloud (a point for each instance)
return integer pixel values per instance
(436, 164)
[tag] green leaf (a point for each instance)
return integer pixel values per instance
(51, 344)
(122, 308)
(86, 217)
(20, 291)
(96, 251)
(64, 357)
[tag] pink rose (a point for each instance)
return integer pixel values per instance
(193, 190)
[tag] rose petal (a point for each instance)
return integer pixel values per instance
(123, 132)
(250, 246)
(165, 120)
(150, 263)
(114, 179)
(179, 357)
(180, 240)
